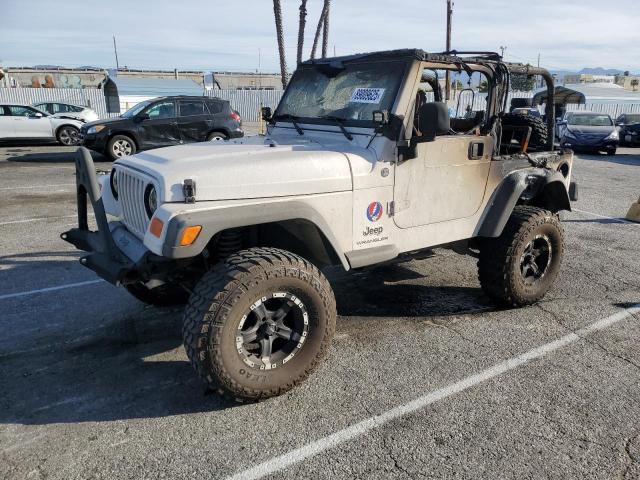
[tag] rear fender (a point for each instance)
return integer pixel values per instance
(532, 186)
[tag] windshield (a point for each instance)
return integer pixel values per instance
(631, 119)
(350, 91)
(590, 120)
(136, 109)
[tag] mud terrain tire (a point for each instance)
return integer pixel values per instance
(508, 264)
(236, 293)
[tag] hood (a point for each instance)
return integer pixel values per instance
(106, 121)
(244, 169)
(586, 130)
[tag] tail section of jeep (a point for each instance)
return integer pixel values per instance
(363, 163)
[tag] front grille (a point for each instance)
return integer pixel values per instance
(131, 186)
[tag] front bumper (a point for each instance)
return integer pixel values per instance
(578, 144)
(95, 141)
(116, 264)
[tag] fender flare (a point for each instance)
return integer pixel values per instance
(532, 183)
(242, 215)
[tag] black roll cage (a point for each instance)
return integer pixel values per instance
(500, 80)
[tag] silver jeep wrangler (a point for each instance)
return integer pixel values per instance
(362, 163)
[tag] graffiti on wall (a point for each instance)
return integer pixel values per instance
(57, 80)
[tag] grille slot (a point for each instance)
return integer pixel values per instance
(131, 186)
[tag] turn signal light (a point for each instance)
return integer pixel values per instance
(189, 235)
(156, 227)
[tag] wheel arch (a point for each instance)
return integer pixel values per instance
(535, 186)
(60, 127)
(221, 130)
(127, 133)
(296, 226)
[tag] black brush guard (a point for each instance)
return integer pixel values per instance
(104, 258)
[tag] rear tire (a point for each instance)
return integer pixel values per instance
(216, 137)
(259, 323)
(120, 146)
(520, 266)
(163, 296)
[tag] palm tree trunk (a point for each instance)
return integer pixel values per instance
(301, 25)
(325, 10)
(325, 30)
(277, 12)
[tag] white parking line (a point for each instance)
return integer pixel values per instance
(38, 219)
(314, 448)
(39, 186)
(619, 220)
(49, 289)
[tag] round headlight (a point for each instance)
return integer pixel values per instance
(150, 200)
(113, 182)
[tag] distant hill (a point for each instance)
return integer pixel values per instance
(600, 71)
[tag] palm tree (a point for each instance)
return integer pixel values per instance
(277, 12)
(321, 23)
(301, 25)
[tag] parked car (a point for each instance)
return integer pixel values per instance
(23, 122)
(67, 110)
(162, 122)
(588, 131)
(629, 129)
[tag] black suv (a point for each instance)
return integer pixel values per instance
(162, 122)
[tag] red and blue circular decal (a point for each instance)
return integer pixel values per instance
(374, 211)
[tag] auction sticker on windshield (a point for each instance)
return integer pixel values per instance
(367, 95)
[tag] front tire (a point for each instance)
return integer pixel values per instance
(259, 323)
(68, 135)
(120, 146)
(611, 151)
(520, 266)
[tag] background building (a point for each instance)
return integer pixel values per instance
(56, 77)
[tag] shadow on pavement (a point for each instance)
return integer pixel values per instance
(52, 157)
(134, 366)
(604, 221)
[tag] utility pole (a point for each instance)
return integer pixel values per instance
(538, 60)
(447, 77)
(115, 50)
(502, 49)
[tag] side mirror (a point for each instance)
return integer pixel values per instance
(266, 113)
(562, 122)
(142, 116)
(38, 115)
(433, 120)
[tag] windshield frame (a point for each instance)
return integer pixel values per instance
(347, 122)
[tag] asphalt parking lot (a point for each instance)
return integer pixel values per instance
(425, 379)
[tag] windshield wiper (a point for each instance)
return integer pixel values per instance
(294, 120)
(340, 123)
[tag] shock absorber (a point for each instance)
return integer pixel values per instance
(230, 241)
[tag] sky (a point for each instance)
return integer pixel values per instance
(239, 35)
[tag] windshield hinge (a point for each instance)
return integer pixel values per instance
(189, 190)
(391, 208)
